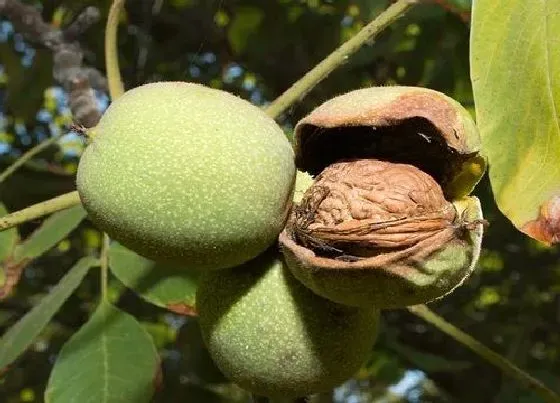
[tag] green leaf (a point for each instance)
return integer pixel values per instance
(53, 230)
(245, 23)
(429, 362)
(515, 71)
(159, 284)
(8, 238)
(16, 340)
(111, 359)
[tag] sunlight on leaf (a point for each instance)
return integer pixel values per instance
(515, 71)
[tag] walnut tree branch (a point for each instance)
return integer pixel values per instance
(67, 54)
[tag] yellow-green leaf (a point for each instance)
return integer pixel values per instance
(515, 71)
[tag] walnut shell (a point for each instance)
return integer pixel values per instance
(364, 208)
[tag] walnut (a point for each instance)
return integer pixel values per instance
(389, 220)
(366, 207)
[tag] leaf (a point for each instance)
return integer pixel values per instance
(53, 230)
(515, 71)
(111, 359)
(245, 23)
(8, 238)
(429, 362)
(159, 284)
(16, 340)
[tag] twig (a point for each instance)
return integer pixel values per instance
(38, 210)
(28, 155)
(67, 55)
(37, 166)
(116, 88)
(338, 57)
(489, 355)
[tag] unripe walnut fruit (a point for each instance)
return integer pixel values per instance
(387, 221)
(274, 337)
(186, 174)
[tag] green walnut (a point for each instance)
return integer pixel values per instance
(388, 220)
(186, 174)
(274, 337)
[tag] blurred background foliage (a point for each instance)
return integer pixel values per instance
(257, 49)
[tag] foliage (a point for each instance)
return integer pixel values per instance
(257, 50)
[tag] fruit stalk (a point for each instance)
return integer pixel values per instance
(489, 355)
(39, 210)
(116, 87)
(28, 155)
(338, 57)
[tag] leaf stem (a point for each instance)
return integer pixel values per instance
(116, 87)
(38, 210)
(489, 355)
(28, 155)
(104, 260)
(336, 58)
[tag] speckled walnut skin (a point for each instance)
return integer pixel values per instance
(274, 337)
(185, 174)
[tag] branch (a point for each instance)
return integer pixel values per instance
(506, 366)
(67, 55)
(116, 87)
(39, 210)
(27, 156)
(81, 24)
(338, 57)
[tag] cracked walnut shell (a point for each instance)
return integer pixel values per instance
(388, 220)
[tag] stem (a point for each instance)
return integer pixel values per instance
(38, 210)
(104, 265)
(116, 87)
(489, 355)
(336, 58)
(27, 156)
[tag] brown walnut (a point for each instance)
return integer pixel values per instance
(366, 207)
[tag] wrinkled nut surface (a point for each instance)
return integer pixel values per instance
(388, 220)
(359, 209)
